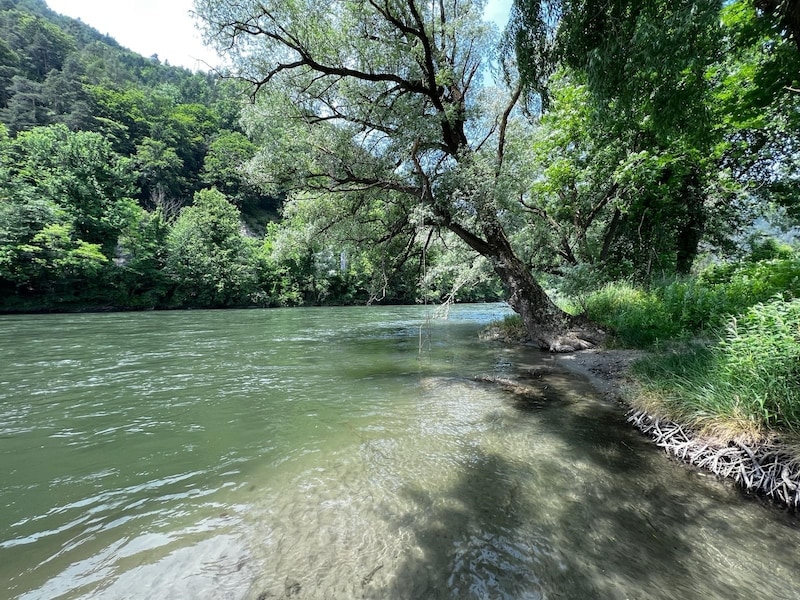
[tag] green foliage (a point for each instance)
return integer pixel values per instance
(224, 166)
(96, 128)
(138, 279)
(695, 305)
(757, 100)
(511, 329)
(747, 384)
(454, 274)
(63, 208)
(769, 248)
(637, 317)
(80, 173)
(208, 259)
(662, 119)
(160, 169)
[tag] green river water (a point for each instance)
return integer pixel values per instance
(345, 453)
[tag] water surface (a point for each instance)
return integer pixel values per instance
(344, 453)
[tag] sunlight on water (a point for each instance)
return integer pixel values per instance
(344, 453)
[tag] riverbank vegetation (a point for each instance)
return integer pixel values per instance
(724, 347)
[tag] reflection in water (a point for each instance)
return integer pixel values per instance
(320, 454)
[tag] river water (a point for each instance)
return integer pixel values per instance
(344, 453)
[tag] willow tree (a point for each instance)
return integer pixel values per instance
(387, 105)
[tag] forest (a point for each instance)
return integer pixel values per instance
(631, 152)
(125, 187)
(605, 167)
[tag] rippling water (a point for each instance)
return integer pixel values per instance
(344, 453)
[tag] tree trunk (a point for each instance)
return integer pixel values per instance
(690, 229)
(548, 327)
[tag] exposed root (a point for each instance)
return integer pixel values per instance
(568, 343)
(765, 469)
(573, 339)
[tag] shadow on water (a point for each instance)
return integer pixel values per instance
(591, 517)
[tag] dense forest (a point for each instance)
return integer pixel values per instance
(124, 187)
(590, 142)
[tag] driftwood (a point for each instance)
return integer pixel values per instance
(764, 469)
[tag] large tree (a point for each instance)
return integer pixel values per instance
(388, 102)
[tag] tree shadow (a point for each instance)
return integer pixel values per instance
(590, 517)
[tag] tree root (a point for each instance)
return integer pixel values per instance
(574, 339)
(765, 469)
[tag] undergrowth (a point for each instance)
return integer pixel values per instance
(725, 345)
(689, 307)
(746, 384)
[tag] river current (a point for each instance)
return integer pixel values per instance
(345, 453)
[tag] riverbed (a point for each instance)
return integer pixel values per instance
(345, 453)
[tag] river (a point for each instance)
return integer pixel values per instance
(345, 453)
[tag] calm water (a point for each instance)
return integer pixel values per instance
(344, 453)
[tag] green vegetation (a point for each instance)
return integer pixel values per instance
(746, 385)
(691, 306)
(725, 344)
(126, 183)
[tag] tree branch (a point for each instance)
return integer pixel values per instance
(501, 142)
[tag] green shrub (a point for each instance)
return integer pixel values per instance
(637, 317)
(769, 248)
(691, 306)
(760, 359)
(748, 382)
(510, 328)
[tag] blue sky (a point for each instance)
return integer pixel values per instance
(164, 27)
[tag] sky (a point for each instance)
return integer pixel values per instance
(165, 27)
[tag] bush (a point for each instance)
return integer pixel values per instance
(690, 306)
(759, 357)
(637, 317)
(510, 328)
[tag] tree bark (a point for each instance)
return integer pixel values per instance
(690, 230)
(548, 327)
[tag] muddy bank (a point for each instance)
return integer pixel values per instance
(769, 469)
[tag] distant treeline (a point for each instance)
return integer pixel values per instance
(101, 150)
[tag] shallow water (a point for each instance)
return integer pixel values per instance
(344, 453)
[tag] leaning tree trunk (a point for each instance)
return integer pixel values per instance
(548, 326)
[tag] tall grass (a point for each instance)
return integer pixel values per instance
(727, 343)
(688, 307)
(748, 384)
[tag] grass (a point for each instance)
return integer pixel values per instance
(683, 308)
(510, 329)
(724, 346)
(746, 385)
